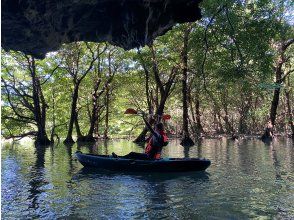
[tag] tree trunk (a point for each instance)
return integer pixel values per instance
(53, 116)
(267, 137)
(274, 105)
(93, 122)
(39, 110)
(75, 96)
(186, 140)
(289, 108)
(147, 93)
(198, 118)
(228, 126)
(106, 113)
(80, 136)
(96, 130)
(244, 112)
(280, 78)
(94, 114)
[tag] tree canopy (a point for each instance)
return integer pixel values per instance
(235, 66)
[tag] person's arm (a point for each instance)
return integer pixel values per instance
(149, 126)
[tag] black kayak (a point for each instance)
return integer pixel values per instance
(161, 165)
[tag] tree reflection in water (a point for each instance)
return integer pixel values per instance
(276, 162)
(125, 187)
(247, 180)
(37, 179)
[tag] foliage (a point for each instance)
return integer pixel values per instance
(232, 54)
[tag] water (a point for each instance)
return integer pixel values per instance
(246, 180)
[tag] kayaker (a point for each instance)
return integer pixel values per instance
(155, 143)
(268, 134)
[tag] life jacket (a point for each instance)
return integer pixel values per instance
(154, 149)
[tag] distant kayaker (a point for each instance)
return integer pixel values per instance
(268, 133)
(269, 129)
(156, 142)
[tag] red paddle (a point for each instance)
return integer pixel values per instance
(132, 111)
(166, 117)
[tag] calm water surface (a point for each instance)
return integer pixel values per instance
(246, 180)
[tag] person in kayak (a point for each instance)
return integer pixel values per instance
(156, 142)
(268, 134)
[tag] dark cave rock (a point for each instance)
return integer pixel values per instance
(36, 27)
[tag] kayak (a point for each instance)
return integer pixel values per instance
(158, 165)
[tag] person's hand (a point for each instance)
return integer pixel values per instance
(152, 120)
(142, 113)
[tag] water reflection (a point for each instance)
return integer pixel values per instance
(89, 146)
(246, 157)
(276, 162)
(87, 172)
(37, 180)
(245, 180)
(70, 158)
(141, 195)
(199, 147)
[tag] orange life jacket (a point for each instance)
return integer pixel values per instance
(156, 150)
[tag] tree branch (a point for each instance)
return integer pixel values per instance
(20, 136)
(286, 74)
(156, 71)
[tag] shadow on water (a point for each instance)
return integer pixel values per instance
(85, 173)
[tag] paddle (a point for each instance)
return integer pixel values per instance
(166, 117)
(132, 111)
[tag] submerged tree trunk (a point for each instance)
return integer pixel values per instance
(40, 107)
(80, 136)
(73, 116)
(186, 140)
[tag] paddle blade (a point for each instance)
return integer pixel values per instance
(131, 111)
(166, 117)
